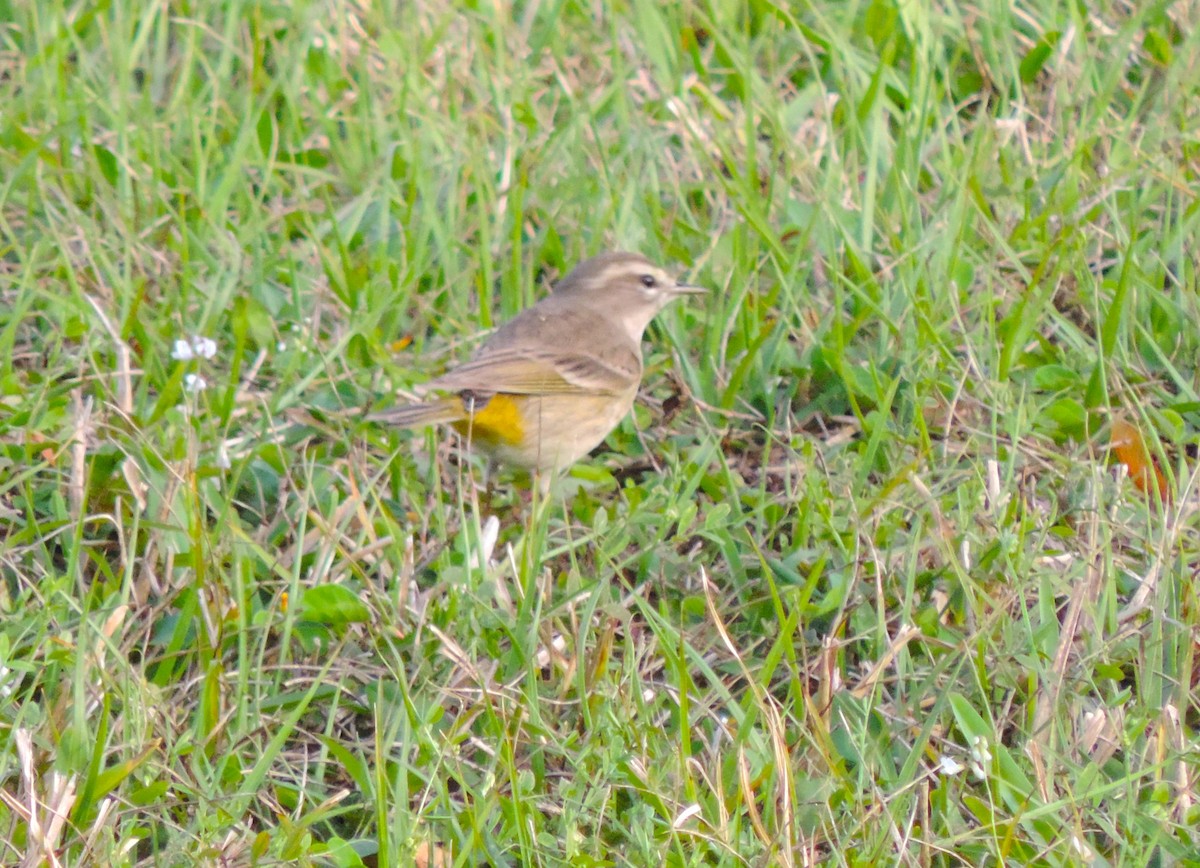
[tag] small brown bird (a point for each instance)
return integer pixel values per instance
(550, 384)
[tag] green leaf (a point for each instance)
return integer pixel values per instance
(1064, 418)
(1116, 308)
(1158, 48)
(252, 319)
(113, 776)
(1033, 62)
(1057, 378)
(107, 162)
(969, 721)
(342, 854)
(333, 604)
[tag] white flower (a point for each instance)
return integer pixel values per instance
(979, 750)
(194, 383)
(206, 348)
(196, 347)
(223, 462)
(981, 757)
(8, 686)
(949, 766)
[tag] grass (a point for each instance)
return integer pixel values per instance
(889, 503)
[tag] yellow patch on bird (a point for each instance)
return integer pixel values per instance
(498, 420)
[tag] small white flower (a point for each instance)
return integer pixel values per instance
(205, 348)
(281, 346)
(977, 771)
(8, 686)
(195, 347)
(223, 462)
(949, 766)
(979, 750)
(194, 383)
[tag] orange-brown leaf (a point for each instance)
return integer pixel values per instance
(1130, 448)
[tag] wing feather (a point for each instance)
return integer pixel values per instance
(521, 372)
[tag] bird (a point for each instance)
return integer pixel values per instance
(550, 384)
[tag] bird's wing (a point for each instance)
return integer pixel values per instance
(540, 372)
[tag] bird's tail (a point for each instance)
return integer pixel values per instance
(444, 410)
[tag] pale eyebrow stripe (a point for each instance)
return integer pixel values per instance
(628, 267)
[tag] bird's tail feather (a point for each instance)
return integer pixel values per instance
(416, 415)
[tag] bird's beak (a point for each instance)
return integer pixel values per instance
(690, 289)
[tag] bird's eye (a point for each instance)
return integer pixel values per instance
(648, 281)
